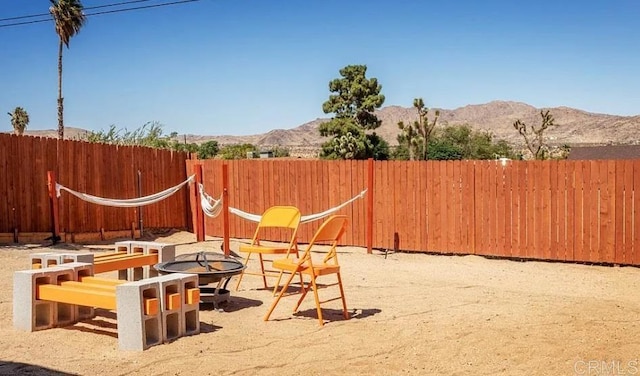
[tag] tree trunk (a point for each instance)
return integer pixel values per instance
(60, 106)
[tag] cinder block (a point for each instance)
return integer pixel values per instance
(165, 252)
(83, 257)
(190, 304)
(31, 314)
(171, 297)
(136, 274)
(38, 260)
(50, 259)
(81, 269)
(64, 313)
(138, 329)
(137, 247)
(124, 246)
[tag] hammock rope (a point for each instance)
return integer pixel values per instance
(125, 203)
(212, 208)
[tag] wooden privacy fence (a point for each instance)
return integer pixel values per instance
(586, 211)
(311, 185)
(557, 210)
(97, 169)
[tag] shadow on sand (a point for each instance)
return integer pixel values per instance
(234, 304)
(16, 368)
(332, 315)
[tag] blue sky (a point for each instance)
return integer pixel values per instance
(241, 67)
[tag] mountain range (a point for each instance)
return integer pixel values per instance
(573, 127)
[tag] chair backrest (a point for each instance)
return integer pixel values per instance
(330, 231)
(281, 216)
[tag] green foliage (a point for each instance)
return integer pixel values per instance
(475, 144)
(150, 134)
(534, 136)
(345, 146)
(19, 120)
(237, 151)
(281, 151)
(208, 150)
(178, 146)
(356, 97)
(565, 150)
(356, 146)
(444, 150)
(415, 137)
(68, 18)
(377, 147)
(459, 142)
(400, 152)
(353, 102)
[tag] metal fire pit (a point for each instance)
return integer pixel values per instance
(213, 269)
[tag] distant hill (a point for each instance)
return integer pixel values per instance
(70, 133)
(576, 127)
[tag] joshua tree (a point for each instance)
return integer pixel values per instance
(68, 19)
(353, 100)
(19, 120)
(534, 137)
(416, 135)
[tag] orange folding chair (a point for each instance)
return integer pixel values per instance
(330, 231)
(275, 217)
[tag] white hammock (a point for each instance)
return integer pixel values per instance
(328, 212)
(211, 210)
(207, 208)
(125, 203)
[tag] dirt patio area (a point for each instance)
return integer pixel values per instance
(411, 314)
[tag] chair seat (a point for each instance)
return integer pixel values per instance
(323, 269)
(292, 266)
(274, 250)
(288, 264)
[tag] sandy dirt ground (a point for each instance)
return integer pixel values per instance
(411, 314)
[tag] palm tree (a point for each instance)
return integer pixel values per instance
(68, 18)
(19, 120)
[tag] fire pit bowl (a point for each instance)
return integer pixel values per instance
(210, 267)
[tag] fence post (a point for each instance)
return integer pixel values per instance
(225, 209)
(139, 208)
(199, 226)
(370, 205)
(53, 200)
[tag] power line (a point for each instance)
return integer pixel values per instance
(101, 13)
(85, 8)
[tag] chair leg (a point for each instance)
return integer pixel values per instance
(315, 294)
(264, 276)
(275, 287)
(345, 312)
(280, 295)
(246, 262)
(304, 293)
